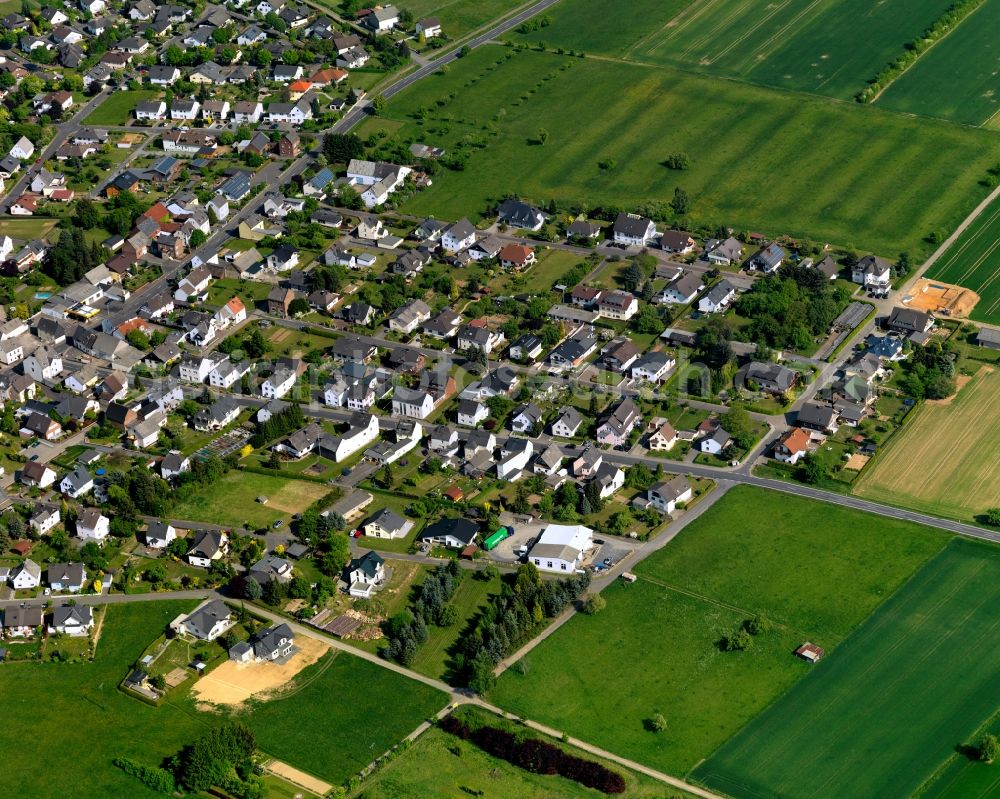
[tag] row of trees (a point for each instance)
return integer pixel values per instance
(510, 619)
(407, 630)
(278, 426)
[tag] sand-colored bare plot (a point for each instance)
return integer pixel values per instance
(856, 462)
(234, 683)
(934, 296)
(298, 778)
(296, 495)
(944, 460)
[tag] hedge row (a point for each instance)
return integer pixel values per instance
(956, 12)
(537, 756)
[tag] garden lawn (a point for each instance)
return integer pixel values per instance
(232, 499)
(27, 229)
(119, 107)
(340, 714)
(879, 715)
(957, 79)
(973, 262)
(459, 17)
(470, 597)
(735, 136)
(439, 764)
(958, 438)
(814, 570)
(50, 694)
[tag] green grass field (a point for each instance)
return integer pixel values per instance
(879, 715)
(27, 229)
(459, 17)
(61, 702)
(828, 47)
(958, 78)
(439, 764)
(653, 649)
(959, 438)
(736, 136)
(118, 108)
(973, 261)
(965, 777)
(232, 500)
(340, 714)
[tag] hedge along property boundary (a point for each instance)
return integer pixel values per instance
(536, 755)
(941, 27)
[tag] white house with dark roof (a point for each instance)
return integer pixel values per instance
(208, 621)
(633, 230)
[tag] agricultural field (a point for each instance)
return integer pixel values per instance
(735, 136)
(439, 764)
(973, 262)
(340, 714)
(119, 107)
(827, 47)
(958, 78)
(965, 777)
(660, 636)
(958, 437)
(460, 17)
(892, 701)
(232, 500)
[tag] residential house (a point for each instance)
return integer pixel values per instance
(872, 272)
(662, 438)
(451, 533)
(617, 426)
(676, 241)
(619, 305)
(207, 622)
(909, 320)
(520, 214)
(458, 236)
(718, 297)
(365, 574)
(386, 524)
(769, 377)
(77, 483)
(792, 446)
(25, 576)
(633, 230)
(652, 367)
(72, 620)
(682, 290)
(207, 547)
(472, 412)
(568, 423)
(92, 525)
(158, 535)
(37, 474)
(66, 577)
(767, 259)
(715, 443)
(667, 495)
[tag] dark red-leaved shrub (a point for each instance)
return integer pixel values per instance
(537, 756)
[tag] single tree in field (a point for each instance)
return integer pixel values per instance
(658, 723)
(988, 748)
(543, 136)
(993, 517)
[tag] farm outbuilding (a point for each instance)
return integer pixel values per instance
(810, 652)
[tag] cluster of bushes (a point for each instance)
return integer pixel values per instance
(223, 758)
(536, 756)
(511, 618)
(790, 308)
(278, 426)
(929, 372)
(407, 630)
(956, 12)
(742, 639)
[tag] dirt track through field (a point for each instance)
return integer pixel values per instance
(233, 683)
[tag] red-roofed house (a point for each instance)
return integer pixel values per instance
(232, 313)
(324, 77)
(516, 256)
(62, 195)
(25, 205)
(792, 446)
